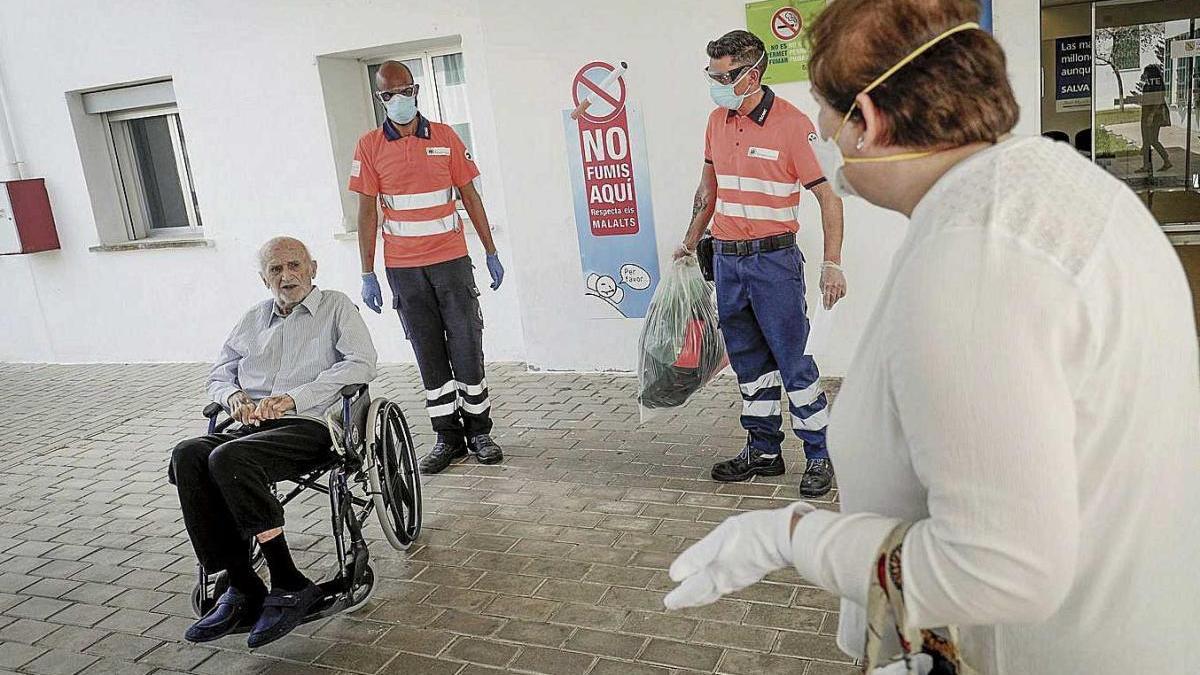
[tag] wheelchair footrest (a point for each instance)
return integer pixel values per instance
(333, 602)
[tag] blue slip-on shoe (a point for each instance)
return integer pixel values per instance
(233, 610)
(282, 612)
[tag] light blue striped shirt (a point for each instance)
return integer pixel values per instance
(309, 355)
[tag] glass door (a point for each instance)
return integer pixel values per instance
(1145, 98)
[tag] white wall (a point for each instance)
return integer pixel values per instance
(664, 78)
(250, 100)
(1017, 26)
(249, 97)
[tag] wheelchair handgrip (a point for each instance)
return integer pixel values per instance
(212, 410)
(352, 390)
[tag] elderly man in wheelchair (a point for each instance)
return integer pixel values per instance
(292, 380)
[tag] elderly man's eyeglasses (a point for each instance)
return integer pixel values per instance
(727, 77)
(410, 90)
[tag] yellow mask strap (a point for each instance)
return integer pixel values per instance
(970, 25)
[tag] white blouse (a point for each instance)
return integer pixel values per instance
(1027, 391)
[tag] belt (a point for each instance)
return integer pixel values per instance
(752, 246)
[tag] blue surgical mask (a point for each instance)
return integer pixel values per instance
(723, 94)
(401, 109)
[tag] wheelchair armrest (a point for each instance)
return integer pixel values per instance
(352, 390)
(211, 411)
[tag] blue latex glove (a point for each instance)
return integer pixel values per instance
(496, 270)
(371, 295)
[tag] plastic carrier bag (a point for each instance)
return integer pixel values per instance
(820, 330)
(681, 347)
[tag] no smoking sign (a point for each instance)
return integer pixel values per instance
(598, 91)
(786, 24)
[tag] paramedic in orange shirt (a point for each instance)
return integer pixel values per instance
(410, 168)
(757, 162)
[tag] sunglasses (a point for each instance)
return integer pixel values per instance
(410, 90)
(728, 76)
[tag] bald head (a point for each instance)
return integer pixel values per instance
(392, 75)
(287, 268)
(277, 245)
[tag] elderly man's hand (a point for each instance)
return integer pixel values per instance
(242, 409)
(273, 407)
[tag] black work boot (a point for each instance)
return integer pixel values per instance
(445, 451)
(747, 464)
(485, 449)
(817, 480)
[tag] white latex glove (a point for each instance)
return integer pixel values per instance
(923, 663)
(739, 552)
(833, 284)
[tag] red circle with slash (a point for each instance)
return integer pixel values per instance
(786, 24)
(587, 81)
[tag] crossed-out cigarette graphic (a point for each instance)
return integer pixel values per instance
(604, 85)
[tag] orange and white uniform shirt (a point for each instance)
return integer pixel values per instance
(415, 178)
(762, 161)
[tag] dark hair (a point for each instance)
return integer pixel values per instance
(745, 48)
(954, 94)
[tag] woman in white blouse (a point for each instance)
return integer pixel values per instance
(1026, 395)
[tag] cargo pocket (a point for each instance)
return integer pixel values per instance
(399, 313)
(476, 308)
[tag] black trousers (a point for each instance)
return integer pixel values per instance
(439, 309)
(224, 483)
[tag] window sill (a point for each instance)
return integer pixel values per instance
(148, 244)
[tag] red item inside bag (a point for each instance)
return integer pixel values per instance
(689, 356)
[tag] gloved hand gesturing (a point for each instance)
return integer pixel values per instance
(371, 295)
(495, 269)
(739, 552)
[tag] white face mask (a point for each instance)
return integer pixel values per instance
(723, 94)
(833, 165)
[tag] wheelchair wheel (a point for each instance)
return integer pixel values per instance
(362, 594)
(219, 583)
(393, 473)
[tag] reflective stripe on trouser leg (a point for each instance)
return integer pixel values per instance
(809, 408)
(417, 303)
(458, 302)
(776, 283)
(758, 375)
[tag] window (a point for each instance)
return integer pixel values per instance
(443, 97)
(156, 182)
(148, 152)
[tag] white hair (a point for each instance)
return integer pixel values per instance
(268, 248)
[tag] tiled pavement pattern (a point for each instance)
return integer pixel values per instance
(552, 562)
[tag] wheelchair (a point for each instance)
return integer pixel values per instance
(373, 449)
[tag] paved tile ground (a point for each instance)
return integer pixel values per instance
(553, 562)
